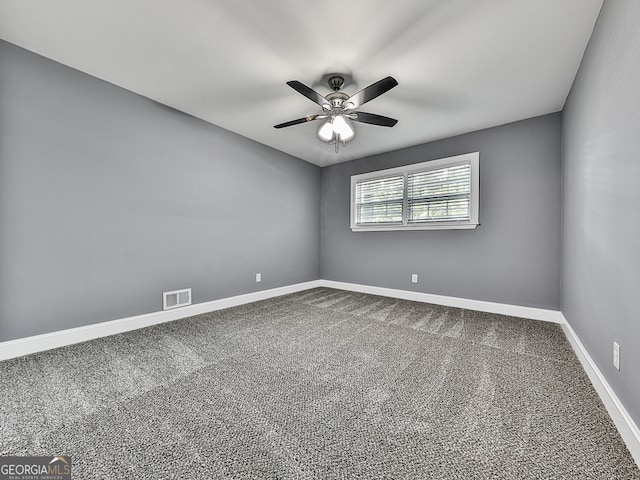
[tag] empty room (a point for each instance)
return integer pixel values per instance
(338, 240)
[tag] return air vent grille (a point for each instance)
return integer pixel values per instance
(175, 299)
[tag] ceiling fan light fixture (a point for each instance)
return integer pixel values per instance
(342, 129)
(339, 109)
(326, 131)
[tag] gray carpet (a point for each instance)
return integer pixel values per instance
(322, 384)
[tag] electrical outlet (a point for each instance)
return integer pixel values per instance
(616, 355)
(258, 277)
(414, 278)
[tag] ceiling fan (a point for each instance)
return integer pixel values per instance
(338, 108)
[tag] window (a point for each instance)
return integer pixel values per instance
(438, 194)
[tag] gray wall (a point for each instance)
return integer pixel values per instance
(107, 199)
(512, 257)
(601, 182)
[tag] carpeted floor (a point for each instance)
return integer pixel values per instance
(322, 384)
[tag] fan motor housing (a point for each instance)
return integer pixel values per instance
(336, 99)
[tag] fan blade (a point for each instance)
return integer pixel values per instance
(373, 119)
(369, 93)
(298, 121)
(310, 94)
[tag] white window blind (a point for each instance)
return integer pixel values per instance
(380, 200)
(439, 195)
(436, 194)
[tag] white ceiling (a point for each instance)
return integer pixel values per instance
(461, 65)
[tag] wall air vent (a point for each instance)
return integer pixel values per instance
(175, 299)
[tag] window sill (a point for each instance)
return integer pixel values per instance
(381, 228)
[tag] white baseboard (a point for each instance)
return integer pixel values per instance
(624, 423)
(48, 341)
(479, 305)
(626, 426)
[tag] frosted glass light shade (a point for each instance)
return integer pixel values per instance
(343, 129)
(326, 131)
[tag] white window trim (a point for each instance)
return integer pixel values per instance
(471, 158)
